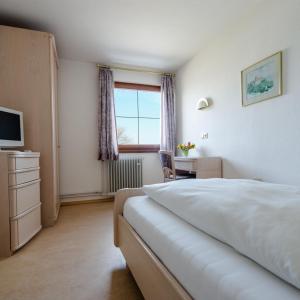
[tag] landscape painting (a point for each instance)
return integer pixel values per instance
(262, 80)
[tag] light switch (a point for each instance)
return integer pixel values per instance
(205, 136)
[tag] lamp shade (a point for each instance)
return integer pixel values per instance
(202, 103)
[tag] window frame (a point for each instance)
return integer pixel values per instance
(138, 148)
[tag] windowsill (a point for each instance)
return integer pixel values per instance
(139, 148)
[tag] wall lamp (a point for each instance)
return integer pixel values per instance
(202, 104)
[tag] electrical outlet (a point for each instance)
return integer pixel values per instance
(205, 136)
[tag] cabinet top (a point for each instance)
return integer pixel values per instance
(193, 158)
(12, 153)
(11, 30)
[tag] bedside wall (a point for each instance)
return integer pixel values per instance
(260, 140)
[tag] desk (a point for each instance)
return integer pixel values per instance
(204, 167)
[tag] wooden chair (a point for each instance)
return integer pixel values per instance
(168, 166)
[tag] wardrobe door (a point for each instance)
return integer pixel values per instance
(26, 85)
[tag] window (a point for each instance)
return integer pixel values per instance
(138, 117)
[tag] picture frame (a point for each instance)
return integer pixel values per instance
(262, 80)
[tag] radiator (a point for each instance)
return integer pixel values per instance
(125, 173)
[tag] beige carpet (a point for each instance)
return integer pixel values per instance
(75, 259)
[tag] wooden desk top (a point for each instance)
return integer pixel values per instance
(183, 158)
(193, 158)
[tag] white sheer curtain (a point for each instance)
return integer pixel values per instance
(168, 114)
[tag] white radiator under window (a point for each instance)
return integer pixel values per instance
(125, 173)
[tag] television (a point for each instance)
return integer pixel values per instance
(11, 128)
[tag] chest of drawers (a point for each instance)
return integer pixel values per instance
(20, 205)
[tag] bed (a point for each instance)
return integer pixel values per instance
(171, 258)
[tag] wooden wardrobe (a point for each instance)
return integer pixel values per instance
(28, 83)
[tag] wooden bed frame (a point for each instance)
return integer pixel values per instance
(153, 278)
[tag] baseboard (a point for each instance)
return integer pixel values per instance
(73, 199)
(77, 202)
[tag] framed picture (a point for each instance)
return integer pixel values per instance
(262, 80)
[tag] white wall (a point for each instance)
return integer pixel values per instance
(136, 77)
(80, 171)
(79, 168)
(261, 140)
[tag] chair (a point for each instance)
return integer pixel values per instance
(168, 166)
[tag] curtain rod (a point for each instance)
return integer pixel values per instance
(134, 70)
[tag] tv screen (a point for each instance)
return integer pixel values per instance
(10, 126)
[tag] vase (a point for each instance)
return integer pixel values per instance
(185, 153)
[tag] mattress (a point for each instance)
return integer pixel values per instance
(205, 267)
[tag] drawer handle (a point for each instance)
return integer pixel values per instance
(22, 185)
(26, 212)
(24, 170)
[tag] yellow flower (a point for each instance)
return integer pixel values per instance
(187, 146)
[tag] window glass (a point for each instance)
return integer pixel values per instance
(149, 131)
(126, 103)
(127, 130)
(137, 116)
(149, 104)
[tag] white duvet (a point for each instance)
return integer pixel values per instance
(260, 220)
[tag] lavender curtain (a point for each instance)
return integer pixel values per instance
(108, 145)
(168, 116)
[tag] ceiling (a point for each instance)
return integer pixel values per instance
(158, 34)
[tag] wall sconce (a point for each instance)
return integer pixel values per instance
(202, 103)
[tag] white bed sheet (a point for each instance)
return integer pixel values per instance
(258, 219)
(206, 268)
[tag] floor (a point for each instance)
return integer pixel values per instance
(75, 259)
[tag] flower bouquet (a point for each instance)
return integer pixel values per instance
(185, 148)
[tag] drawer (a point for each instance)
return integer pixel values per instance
(24, 227)
(210, 163)
(22, 198)
(204, 174)
(19, 163)
(19, 177)
(186, 165)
